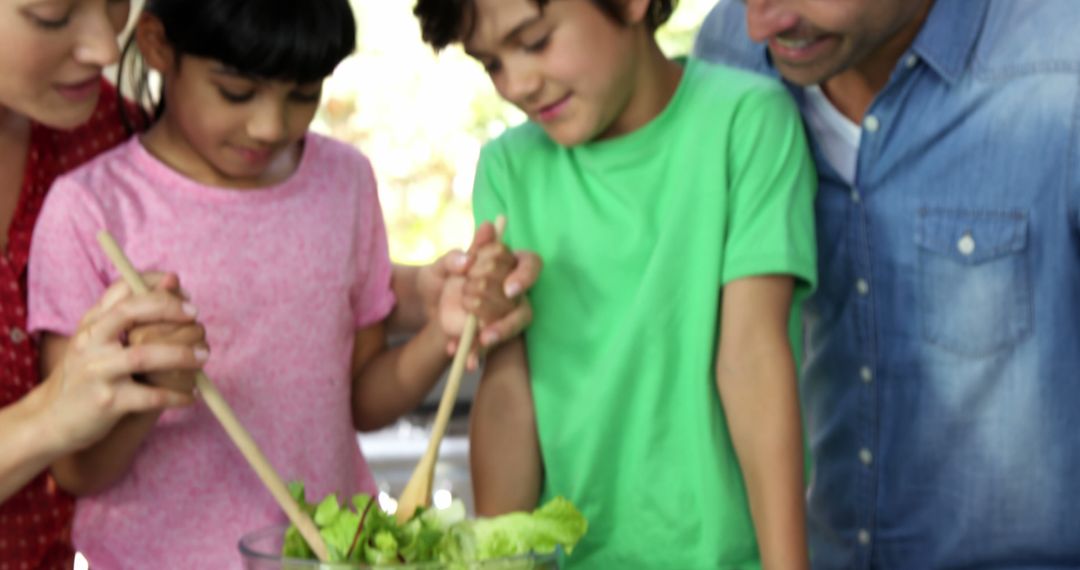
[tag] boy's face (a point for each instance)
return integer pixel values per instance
(50, 67)
(235, 130)
(813, 40)
(570, 67)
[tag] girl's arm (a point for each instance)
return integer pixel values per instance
(755, 375)
(504, 450)
(388, 383)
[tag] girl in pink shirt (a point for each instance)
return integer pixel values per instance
(278, 238)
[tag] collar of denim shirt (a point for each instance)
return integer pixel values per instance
(949, 35)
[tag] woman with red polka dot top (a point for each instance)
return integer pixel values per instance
(56, 112)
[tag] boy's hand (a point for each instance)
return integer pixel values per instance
(483, 293)
(489, 285)
(179, 334)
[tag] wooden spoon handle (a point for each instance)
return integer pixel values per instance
(417, 491)
(453, 386)
(457, 369)
(224, 414)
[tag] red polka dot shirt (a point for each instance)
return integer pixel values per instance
(35, 523)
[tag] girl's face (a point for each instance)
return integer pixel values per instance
(570, 67)
(231, 129)
(53, 54)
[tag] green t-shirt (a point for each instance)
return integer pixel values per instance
(638, 235)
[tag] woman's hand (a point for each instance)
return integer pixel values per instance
(90, 386)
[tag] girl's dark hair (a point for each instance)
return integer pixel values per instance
(443, 22)
(289, 40)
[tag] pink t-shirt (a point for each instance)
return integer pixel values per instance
(282, 278)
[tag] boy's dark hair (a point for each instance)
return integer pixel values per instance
(288, 40)
(443, 22)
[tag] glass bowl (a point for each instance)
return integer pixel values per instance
(261, 550)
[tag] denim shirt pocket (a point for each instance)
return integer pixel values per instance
(974, 283)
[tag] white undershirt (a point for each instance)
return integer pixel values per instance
(836, 135)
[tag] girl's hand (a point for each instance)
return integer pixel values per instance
(183, 334)
(91, 387)
(432, 281)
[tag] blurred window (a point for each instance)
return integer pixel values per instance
(422, 119)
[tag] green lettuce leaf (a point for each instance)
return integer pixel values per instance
(514, 534)
(363, 532)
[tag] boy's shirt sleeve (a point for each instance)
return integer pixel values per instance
(373, 297)
(491, 176)
(66, 275)
(771, 200)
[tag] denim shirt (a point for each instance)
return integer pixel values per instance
(941, 384)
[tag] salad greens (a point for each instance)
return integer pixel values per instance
(362, 532)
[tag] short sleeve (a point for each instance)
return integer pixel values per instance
(374, 296)
(771, 203)
(66, 276)
(491, 173)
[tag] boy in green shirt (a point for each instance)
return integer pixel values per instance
(672, 204)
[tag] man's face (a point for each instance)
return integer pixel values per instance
(810, 41)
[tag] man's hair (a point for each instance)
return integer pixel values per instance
(443, 22)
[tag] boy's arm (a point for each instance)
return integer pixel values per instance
(388, 383)
(755, 375)
(504, 450)
(94, 468)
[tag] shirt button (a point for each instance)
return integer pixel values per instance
(16, 335)
(855, 197)
(966, 244)
(871, 123)
(862, 286)
(865, 456)
(864, 536)
(911, 61)
(866, 374)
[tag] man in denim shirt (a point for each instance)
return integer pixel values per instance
(941, 385)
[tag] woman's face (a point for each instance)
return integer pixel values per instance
(53, 54)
